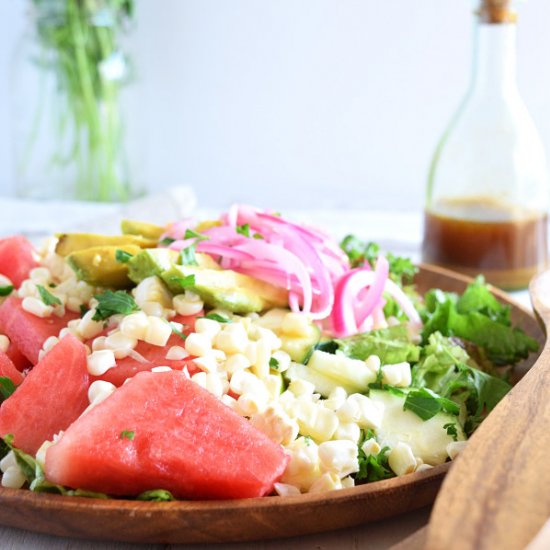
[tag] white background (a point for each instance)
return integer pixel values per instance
(312, 103)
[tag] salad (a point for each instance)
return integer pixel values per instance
(243, 356)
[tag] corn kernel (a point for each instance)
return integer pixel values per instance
(276, 424)
(260, 367)
(99, 362)
(349, 431)
(87, 327)
(250, 404)
(339, 457)
(135, 325)
(161, 368)
(13, 478)
(50, 343)
(120, 344)
(455, 448)
(177, 353)
(207, 326)
(398, 375)
(8, 461)
(303, 467)
(158, 331)
(198, 344)
(401, 459)
(100, 390)
(207, 363)
(286, 490)
(36, 307)
(4, 343)
(371, 447)
(373, 363)
(187, 304)
(232, 339)
(327, 482)
(236, 362)
(152, 309)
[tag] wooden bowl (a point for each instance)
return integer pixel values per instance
(242, 520)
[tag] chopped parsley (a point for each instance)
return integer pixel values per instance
(7, 387)
(167, 241)
(273, 363)
(187, 256)
(451, 430)
(426, 404)
(122, 256)
(184, 282)
(6, 290)
(47, 297)
(217, 317)
(156, 495)
(190, 234)
(243, 230)
(127, 434)
(83, 309)
(112, 303)
(178, 332)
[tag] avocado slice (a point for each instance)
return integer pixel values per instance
(153, 261)
(98, 265)
(149, 262)
(226, 289)
(73, 242)
(143, 229)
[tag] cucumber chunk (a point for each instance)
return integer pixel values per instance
(428, 439)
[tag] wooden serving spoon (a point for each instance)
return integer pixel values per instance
(497, 494)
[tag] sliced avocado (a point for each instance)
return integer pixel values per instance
(98, 265)
(226, 289)
(428, 439)
(151, 261)
(73, 242)
(143, 229)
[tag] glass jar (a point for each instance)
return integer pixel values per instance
(487, 195)
(77, 129)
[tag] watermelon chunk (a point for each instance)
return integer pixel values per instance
(155, 356)
(51, 397)
(163, 431)
(19, 361)
(7, 368)
(27, 331)
(16, 259)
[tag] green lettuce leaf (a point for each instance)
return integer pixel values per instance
(392, 345)
(477, 317)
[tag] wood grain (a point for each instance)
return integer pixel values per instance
(240, 520)
(497, 495)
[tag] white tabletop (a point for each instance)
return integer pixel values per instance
(398, 232)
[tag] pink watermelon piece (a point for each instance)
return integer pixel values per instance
(51, 397)
(155, 357)
(163, 431)
(27, 331)
(16, 259)
(7, 368)
(20, 362)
